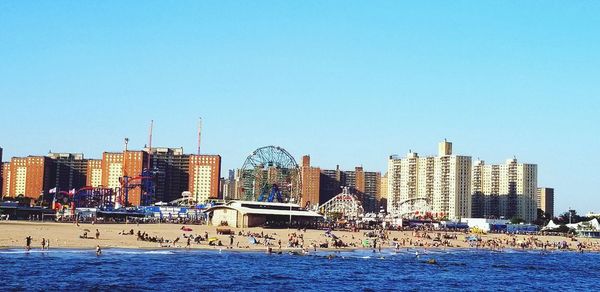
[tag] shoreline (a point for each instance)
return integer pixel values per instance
(286, 251)
(119, 236)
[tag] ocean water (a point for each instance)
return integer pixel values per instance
(181, 270)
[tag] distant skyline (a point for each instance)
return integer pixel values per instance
(349, 83)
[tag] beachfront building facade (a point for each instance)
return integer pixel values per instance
(437, 186)
(245, 214)
(5, 187)
(70, 170)
(94, 173)
(228, 186)
(115, 165)
(204, 177)
(173, 173)
(33, 176)
(311, 183)
(545, 201)
(171, 176)
(364, 184)
(27, 176)
(504, 191)
(383, 192)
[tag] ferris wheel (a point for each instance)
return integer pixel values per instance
(270, 173)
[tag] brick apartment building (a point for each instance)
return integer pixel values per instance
(171, 168)
(115, 165)
(204, 177)
(28, 176)
(320, 185)
(311, 182)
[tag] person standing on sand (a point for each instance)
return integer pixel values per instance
(28, 242)
(43, 243)
(231, 240)
(189, 242)
(97, 234)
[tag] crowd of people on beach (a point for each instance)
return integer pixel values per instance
(172, 243)
(352, 237)
(532, 242)
(45, 243)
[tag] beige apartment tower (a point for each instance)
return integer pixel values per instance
(545, 201)
(504, 191)
(439, 186)
(383, 192)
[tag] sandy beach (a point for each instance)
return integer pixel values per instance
(68, 235)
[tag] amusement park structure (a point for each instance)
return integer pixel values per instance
(345, 205)
(144, 181)
(104, 198)
(86, 197)
(134, 180)
(270, 173)
(413, 207)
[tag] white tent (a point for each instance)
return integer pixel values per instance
(588, 225)
(591, 224)
(595, 224)
(550, 226)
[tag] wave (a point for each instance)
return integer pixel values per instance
(137, 251)
(39, 251)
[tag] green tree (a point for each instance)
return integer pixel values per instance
(516, 220)
(574, 217)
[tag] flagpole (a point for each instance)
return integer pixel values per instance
(54, 202)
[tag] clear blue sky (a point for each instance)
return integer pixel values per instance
(347, 82)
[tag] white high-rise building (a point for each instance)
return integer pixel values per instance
(507, 190)
(439, 185)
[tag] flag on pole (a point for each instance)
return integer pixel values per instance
(52, 190)
(72, 192)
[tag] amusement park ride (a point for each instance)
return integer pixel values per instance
(143, 181)
(345, 205)
(108, 199)
(270, 173)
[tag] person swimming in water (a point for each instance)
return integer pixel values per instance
(98, 250)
